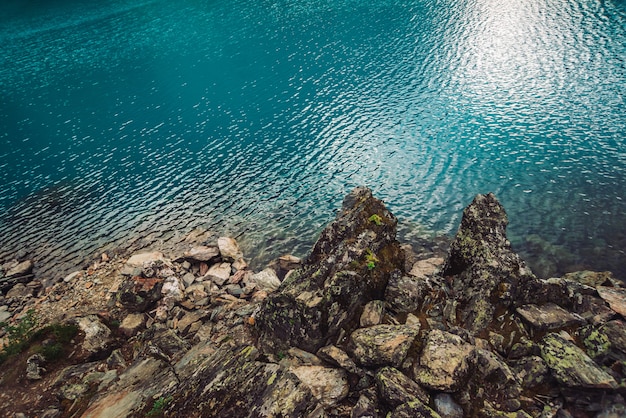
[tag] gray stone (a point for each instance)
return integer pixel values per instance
(137, 260)
(266, 280)
(4, 314)
(202, 253)
(444, 362)
(447, 407)
(289, 262)
(549, 316)
(219, 273)
(97, 335)
(300, 357)
(33, 367)
(372, 313)
(188, 279)
(382, 345)
(616, 298)
(493, 377)
(229, 249)
(571, 366)
(234, 289)
(365, 406)
(328, 385)
(184, 324)
(395, 388)
(21, 269)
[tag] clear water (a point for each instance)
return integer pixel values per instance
(255, 117)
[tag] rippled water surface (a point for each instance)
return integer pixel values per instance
(255, 117)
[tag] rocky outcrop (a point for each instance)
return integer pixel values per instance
(362, 327)
(350, 265)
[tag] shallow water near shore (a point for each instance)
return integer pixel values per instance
(254, 118)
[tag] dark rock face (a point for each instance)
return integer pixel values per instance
(349, 266)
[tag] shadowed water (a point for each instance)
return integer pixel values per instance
(254, 118)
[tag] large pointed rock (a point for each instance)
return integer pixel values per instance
(549, 316)
(349, 266)
(483, 265)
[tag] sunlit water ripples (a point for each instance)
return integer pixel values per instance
(254, 118)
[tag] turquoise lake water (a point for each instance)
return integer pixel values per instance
(255, 117)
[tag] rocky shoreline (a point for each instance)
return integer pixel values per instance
(363, 327)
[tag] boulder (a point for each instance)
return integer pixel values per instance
(591, 278)
(444, 363)
(20, 291)
(412, 409)
(405, 293)
(531, 371)
(423, 269)
(229, 249)
(382, 345)
(235, 383)
(483, 265)
(571, 366)
(338, 357)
